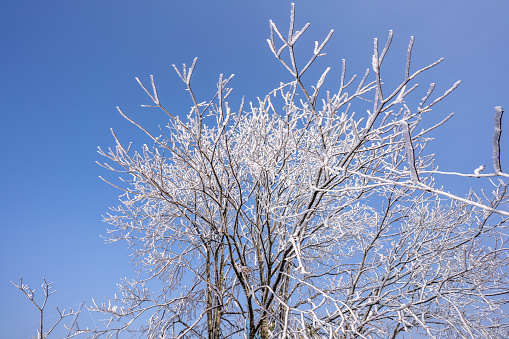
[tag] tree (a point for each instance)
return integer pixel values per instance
(300, 217)
(46, 288)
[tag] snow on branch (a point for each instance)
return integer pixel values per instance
(409, 151)
(496, 139)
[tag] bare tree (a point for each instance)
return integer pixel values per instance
(46, 288)
(298, 217)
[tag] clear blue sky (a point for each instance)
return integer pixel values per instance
(65, 65)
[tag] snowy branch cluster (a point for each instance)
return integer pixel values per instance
(307, 214)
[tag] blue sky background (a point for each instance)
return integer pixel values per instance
(66, 65)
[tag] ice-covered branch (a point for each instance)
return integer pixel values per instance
(409, 151)
(496, 139)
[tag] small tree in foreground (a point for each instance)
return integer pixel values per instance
(300, 216)
(46, 288)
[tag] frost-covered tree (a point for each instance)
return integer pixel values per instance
(307, 214)
(72, 330)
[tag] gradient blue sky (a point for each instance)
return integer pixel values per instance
(65, 65)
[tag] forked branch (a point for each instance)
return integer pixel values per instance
(46, 287)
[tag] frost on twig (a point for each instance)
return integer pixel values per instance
(479, 169)
(496, 139)
(409, 151)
